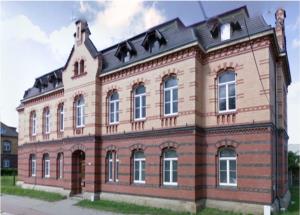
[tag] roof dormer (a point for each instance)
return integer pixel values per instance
(125, 51)
(153, 40)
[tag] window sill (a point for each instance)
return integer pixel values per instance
(227, 187)
(170, 185)
(227, 112)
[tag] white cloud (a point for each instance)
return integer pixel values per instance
(296, 43)
(293, 112)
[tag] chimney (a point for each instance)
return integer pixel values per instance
(82, 31)
(279, 29)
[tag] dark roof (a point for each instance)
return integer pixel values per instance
(175, 35)
(8, 131)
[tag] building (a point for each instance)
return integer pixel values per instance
(9, 147)
(179, 117)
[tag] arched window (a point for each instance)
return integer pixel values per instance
(170, 96)
(114, 108)
(227, 167)
(33, 122)
(140, 103)
(81, 66)
(46, 166)
(60, 117)
(60, 165)
(32, 165)
(6, 146)
(170, 167)
(112, 166)
(80, 112)
(46, 120)
(139, 162)
(76, 68)
(227, 95)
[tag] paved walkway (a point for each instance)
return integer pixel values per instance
(16, 205)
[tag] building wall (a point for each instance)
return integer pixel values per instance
(12, 156)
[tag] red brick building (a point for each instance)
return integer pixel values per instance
(180, 117)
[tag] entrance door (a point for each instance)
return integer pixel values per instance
(78, 171)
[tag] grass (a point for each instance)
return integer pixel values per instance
(8, 187)
(293, 208)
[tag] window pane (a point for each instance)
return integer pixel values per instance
(175, 94)
(137, 113)
(112, 107)
(167, 165)
(143, 101)
(143, 170)
(117, 106)
(232, 177)
(232, 103)
(174, 171)
(231, 90)
(232, 165)
(114, 96)
(175, 107)
(143, 112)
(110, 170)
(167, 95)
(112, 119)
(223, 177)
(139, 154)
(167, 176)
(227, 153)
(222, 104)
(140, 90)
(171, 82)
(170, 154)
(137, 102)
(226, 77)
(222, 91)
(117, 117)
(223, 165)
(167, 108)
(136, 170)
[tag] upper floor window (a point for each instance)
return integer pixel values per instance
(46, 165)
(170, 96)
(6, 146)
(33, 122)
(61, 117)
(32, 167)
(227, 167)
(170, 167)
(76, 70)
(114, 108)
(140, 103)
(227, 95)
(80, 112)
(81, 66)
(225, 31)
(47, 120)
(139, 166)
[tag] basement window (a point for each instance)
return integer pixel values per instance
(225, 31)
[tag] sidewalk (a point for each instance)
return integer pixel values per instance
(16, 205)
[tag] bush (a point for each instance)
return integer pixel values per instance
(9, 172)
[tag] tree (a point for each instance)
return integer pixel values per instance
(293, 161)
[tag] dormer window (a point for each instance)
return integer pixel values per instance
(225, 31)
(125, 51)
(126, 57)
(153, 41)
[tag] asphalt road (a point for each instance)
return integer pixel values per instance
(16, 205)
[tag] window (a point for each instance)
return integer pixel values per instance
(170, 167)
(32, 165)
(61, 117)
(154, 46)
(114, 108)
(46, 166)
(47, 120)
(112, 166)
(6, 146)
(76, 68)
(140, 103)
(60, 165)
(80, 112)
(6, 163)
(227, 167)
(81, 66)
(170, 96)
(227, 95)
(225, 31)
(126, 57)
(33, 123)
(139, 167)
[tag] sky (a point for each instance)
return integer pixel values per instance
(37, 37)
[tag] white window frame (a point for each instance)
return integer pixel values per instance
(141, 106)
(110, 166)
(61, 165)
(34, 126)
(115, 103)
(171, 89)
(47, 167)
(227, 97)
(61, 118)
(80, 104)
(172, 160)
(140, 161)
(6, 146)
(127, 57)
(117, 168)
(6, 163)
(227, 159)
(225, 31)
(33, 166)
(47, 121)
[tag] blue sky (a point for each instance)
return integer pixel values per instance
(36, 37)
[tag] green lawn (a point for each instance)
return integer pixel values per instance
(8, 187)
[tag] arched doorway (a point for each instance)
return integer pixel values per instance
(78, 171)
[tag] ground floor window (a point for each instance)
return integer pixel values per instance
(60, 165)
(227, 167)
(170, 167)
(112, 166)
(32, 165)
(6, 163)
(139, 167)
(46, 166)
